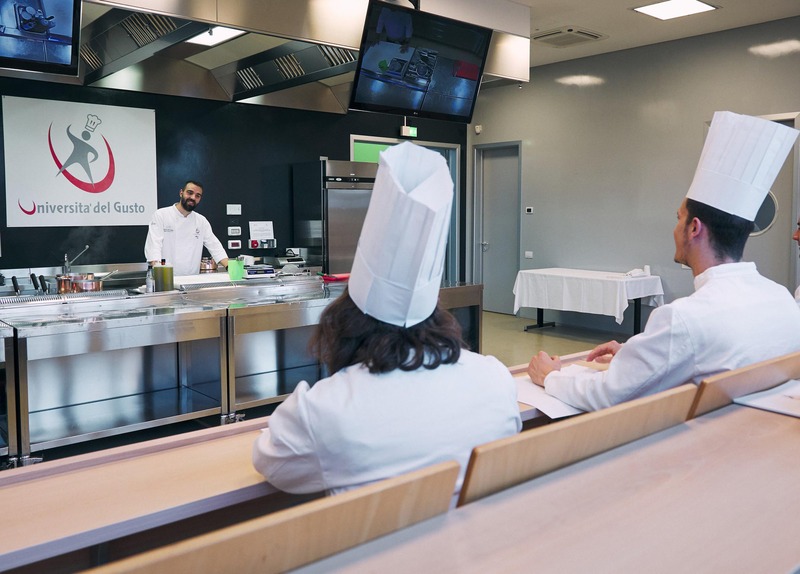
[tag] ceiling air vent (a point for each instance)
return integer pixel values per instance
(567, 36)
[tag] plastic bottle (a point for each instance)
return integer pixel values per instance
(149, 281)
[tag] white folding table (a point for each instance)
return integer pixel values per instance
(585, 291)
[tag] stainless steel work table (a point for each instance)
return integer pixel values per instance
(269, 326)
(8, 412)
(95, 365)
(92, 367)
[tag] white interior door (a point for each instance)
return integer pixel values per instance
(497, 192)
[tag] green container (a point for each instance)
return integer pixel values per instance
(235, 269)
(163, 277)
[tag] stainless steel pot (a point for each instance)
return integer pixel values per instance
(86, 285)
(207, 265)
(78, 283)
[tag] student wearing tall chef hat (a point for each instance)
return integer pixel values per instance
(403, 392)
(735, 317)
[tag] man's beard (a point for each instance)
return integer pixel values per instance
(187, 206)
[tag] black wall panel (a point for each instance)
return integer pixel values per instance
(241, 153)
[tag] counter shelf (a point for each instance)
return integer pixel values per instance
(92, 368)
(8, 396)
(269, 326)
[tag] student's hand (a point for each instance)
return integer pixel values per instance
(542, 365)
(604, 353)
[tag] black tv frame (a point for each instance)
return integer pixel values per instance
(421, 20)
(39, 32)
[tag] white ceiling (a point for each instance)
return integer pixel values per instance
(628, 29)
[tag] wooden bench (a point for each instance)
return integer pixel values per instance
(124, 500)
(720, 390)
(300, 535)
(503, 463)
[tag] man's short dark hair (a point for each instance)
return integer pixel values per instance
(193, 182)
(728, 233)
(347, 336)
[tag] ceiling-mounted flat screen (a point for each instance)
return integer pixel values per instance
(40, 35)
(415, 63)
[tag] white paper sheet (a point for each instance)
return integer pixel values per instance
(784, 399)
(532, 394)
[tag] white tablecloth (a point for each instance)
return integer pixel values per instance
(599, 292)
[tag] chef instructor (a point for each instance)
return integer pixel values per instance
(178, 233)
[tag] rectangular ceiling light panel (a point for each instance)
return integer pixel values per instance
(675, 9)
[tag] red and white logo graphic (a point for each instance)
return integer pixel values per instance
(83, 155)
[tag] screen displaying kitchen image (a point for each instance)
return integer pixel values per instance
(40, 35)
(419, 64)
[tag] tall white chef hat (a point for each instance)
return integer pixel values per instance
(740, 161)
(399, 260)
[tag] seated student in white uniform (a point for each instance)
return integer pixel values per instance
(735, 317)
(403, 393)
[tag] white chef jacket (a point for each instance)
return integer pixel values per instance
(734, 318)
(354, 427)
(797, 295)
(180, 240)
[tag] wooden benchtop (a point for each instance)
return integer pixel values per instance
(716, 494)
(59, 506)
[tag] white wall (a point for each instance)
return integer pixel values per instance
(605, 167)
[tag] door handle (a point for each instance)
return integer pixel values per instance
(484, 246)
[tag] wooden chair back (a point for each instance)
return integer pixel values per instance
(291, 538)
(510, 461)
(719, 390)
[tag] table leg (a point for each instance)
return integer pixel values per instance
(637, 316)
(540, 321)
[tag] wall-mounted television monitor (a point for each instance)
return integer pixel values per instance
(40, 35)
(419, 64)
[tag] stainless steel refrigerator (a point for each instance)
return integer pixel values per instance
(330, 200)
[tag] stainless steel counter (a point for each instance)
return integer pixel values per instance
(8, 412)
(82, 368)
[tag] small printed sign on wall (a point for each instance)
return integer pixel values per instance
(75, 164)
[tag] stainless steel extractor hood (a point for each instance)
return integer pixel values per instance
(148, 52)
(295, 53)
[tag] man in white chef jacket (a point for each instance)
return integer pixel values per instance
(178, 234)
(735, 317)
(403, 393)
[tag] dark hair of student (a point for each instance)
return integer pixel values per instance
(347, 336)
(729, 233)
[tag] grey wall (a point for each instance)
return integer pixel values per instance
(605, 167)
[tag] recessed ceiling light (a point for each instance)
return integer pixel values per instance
(215, 35)
(675, 9)
(776, 49)
(581, 80)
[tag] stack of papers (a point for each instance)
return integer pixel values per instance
(532, 394)
(784, 399)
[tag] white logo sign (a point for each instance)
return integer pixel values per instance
(71, 164)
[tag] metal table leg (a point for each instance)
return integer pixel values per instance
(540, 321)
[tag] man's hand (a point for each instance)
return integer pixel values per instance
(604, 353)
(542, 365)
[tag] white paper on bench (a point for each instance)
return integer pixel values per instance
(534, 395)
(784, 399)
